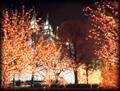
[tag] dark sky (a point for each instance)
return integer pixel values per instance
(59, 11)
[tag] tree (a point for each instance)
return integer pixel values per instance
(104, 32)
(16, 28)
(81, 49)
(52, 57)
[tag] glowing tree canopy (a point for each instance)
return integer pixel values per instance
(15, 50)
(51, 55)
(104, 31)
(21, 50)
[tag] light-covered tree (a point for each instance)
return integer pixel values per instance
(52, 56)
(104, 31)
(16, 53)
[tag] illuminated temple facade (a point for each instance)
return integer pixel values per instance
(46, 27)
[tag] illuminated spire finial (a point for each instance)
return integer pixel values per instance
(47, 19)
(34, 12)
(47, 27)
(33, 23)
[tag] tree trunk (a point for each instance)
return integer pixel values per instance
(75, 76)
(14, 81)
(5, 82)
(75, 58)
(5, 77)
(87, 75)
(32, 80)
(1, 56)
(109, 76)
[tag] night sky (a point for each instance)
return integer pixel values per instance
(59, 11)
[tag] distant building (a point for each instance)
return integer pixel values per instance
(47, 29)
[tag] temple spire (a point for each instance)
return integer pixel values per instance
(47, 27)
(34, 25)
